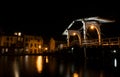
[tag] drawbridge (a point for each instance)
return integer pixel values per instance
(90, 23)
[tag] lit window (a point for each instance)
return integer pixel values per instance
(15, 33)
(19, 34)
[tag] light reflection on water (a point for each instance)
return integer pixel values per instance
(75, 75)
(16, 69)
(115, 62)
(39, 64)
(49, 66)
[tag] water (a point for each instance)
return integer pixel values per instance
(58, 66)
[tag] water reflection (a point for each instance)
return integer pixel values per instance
(39, 64)
(25, 60)
(56, 66)
(16, 68)
(115, 62)
(75, 75)
(46, 59)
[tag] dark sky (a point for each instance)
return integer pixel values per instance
(50, 20)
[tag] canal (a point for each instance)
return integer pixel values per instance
(59, 66)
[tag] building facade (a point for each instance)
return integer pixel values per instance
(19, 43)
(33, 44)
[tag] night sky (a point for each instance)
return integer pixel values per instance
(50, 20)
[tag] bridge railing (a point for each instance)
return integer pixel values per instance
(111, 41)
(104, 41)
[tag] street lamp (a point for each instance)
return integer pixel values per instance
(92, 27)
(74, 34)
(96, 26)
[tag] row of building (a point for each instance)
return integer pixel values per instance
(28, 44)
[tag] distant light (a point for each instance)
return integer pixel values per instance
(15, 33)
(114, 51)
(40, 46)
(6, 49)
(19, 33)
(72, 48)
(46, 48)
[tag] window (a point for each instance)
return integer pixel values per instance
(26, 44)
(11, 39)
(35, 44)
(31, 45)
(7, 38)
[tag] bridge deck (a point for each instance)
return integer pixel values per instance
(104, 42)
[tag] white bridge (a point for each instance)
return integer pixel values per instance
(90, 23)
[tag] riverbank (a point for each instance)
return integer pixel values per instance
(77, 52)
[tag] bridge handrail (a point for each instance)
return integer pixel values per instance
(104, 41)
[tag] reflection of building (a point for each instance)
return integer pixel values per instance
(19, 43)
(52, 44)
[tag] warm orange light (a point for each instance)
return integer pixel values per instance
(39, 64)
(40, 46)
(92, 27)
(46, 48)
(19, 33)
(74, 34)
(75, 74)
(46, 59)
